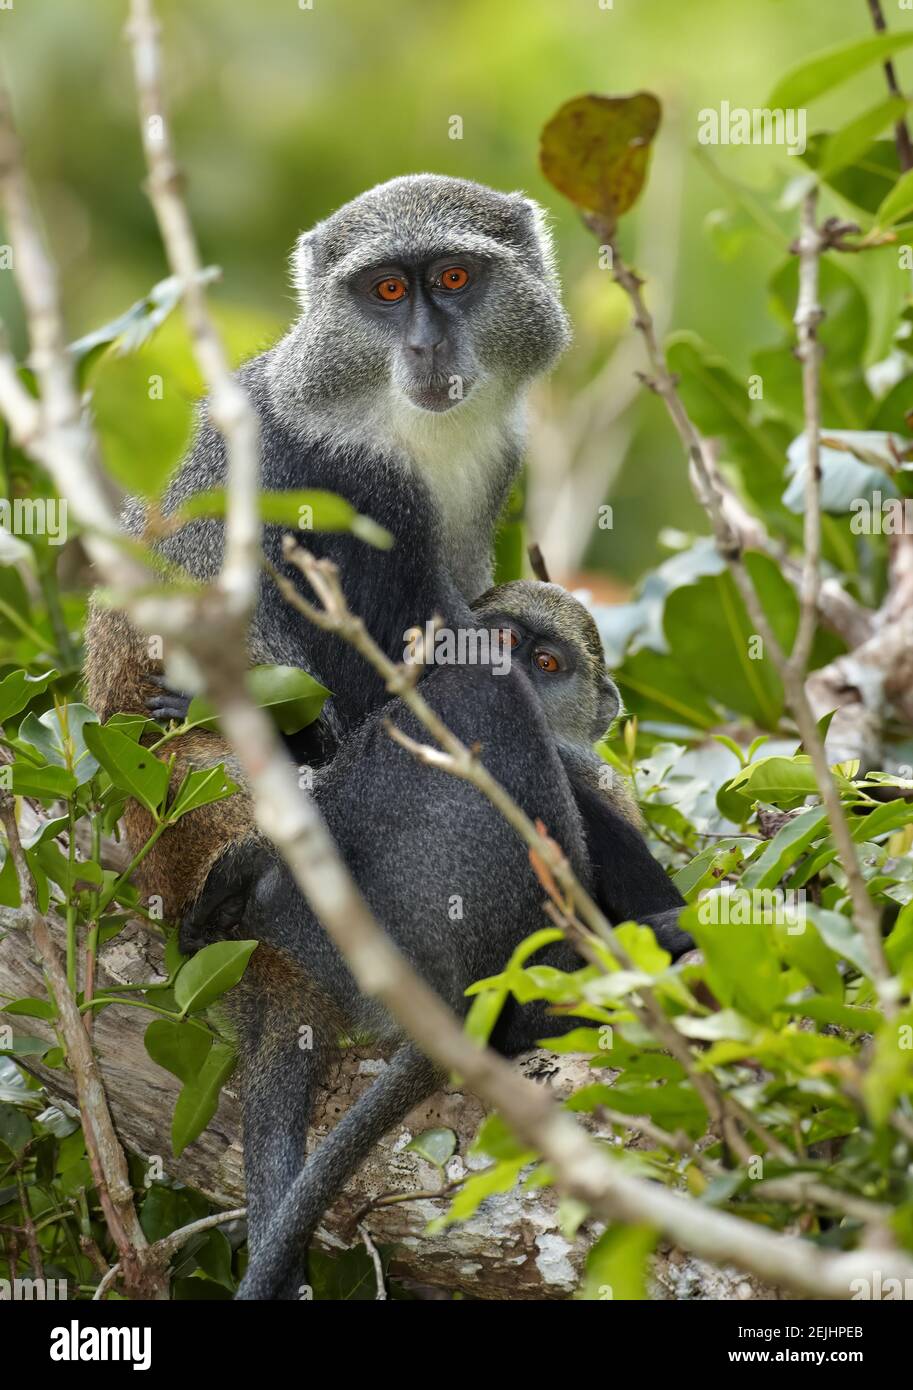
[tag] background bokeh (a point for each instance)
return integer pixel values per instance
(281, 113)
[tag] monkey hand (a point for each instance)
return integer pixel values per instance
(219, 910)
(169, 704)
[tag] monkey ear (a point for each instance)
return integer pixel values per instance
(534, 232)
(609, 700)
(304, 265)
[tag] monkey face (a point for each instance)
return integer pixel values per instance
(555, 642)
(425, 310)
(431, 287)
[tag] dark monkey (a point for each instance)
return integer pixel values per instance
(413, 838)
(428, 306)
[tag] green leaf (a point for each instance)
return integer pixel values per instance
(654, 686)
(436, 1146)
(673, 1106)
(17, 689)
(199, 1099)
(595, 150)
(617, 1265)
(214, 1258)
(898, 203)
(806, 951)
(500, 1177)
(308, 510)
(180, 1048)
(58, 736)
(15, 1128)
(848, 143)
(841, 936)
(43, 782)
(293, 698)
(784, 782)
(201, 787)
(130, 330)
(132, 768)
(210, 973)
(785, 848)
(31, 1008)
(835, 65)
(740, 964)
(718, 403)
(730, 669)
(868, 180)
(699, 873)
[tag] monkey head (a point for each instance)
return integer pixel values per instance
(557, 644)
(425, 291)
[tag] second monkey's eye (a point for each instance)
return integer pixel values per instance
(508, 635)
(391, 289)
(455, 277)
(546, 661)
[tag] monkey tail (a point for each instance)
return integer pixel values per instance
(408, 1079)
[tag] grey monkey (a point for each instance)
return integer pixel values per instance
(428, 306)
(413, 838)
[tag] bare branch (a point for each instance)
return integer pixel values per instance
(807, 318)
(161, 1252)
(901, 133)
(707, 490)
(229, 406)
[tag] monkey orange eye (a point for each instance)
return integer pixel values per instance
(454, 278)
(510, 637)
(391, 290)
(546, 661)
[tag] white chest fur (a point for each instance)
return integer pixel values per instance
(467, 458)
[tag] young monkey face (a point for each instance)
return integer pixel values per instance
(554, 640)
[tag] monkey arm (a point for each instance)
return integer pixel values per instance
(629, 884)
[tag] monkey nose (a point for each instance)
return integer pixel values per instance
(424, 352)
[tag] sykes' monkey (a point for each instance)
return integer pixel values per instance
(416, 840)
(428, 306)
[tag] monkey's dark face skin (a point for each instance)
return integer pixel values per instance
(428, 310)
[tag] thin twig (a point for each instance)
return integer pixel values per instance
(371, 1248)
(161, 1252)
(901, 133)
(808, 316)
